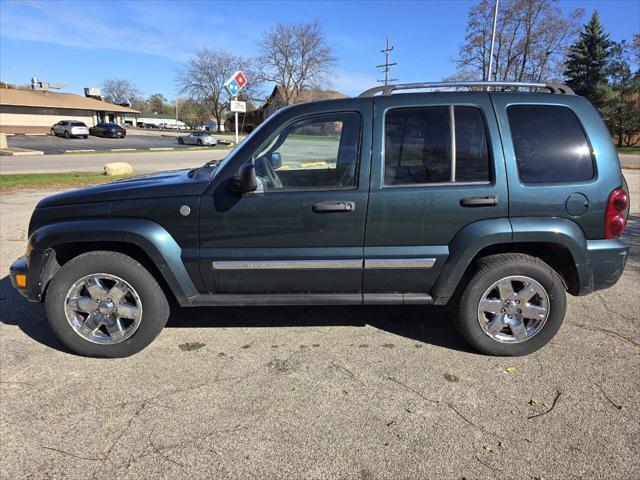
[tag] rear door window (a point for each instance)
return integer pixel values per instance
(441, 144)
(550, 144)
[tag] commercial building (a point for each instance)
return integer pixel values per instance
(35, 111)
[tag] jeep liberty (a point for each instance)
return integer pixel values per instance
(495, 201)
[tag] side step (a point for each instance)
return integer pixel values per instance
(226, 299)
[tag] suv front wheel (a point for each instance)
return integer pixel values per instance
(105, 304)
(513, 305)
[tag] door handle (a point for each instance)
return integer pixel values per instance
(334, 207)
(479, 201)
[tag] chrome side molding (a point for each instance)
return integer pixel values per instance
(287, 264)
(377, 263)
(370, 263)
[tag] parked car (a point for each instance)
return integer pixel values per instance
(110, 130)
(70, 129)
(198, 138)
(493, 203)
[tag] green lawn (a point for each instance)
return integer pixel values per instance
(49, 180)
(635, 149)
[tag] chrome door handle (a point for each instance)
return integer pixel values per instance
(479, 201)
(334, 207)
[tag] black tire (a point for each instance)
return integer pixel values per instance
(85, 136)
(155, 308)
(200, 142)
(53, 133)
(180, 141)
(66, 134)
(492, 269)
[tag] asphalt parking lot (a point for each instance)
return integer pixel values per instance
(51, 145)
(333, 392)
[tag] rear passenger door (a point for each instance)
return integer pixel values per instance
(437, 167)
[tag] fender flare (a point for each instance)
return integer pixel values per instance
(476, 236)
(151, 237)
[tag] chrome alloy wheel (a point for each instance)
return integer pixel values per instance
(513, 309)
(103, 309)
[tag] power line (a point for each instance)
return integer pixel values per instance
(386, 65)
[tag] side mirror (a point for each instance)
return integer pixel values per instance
(244, 180)
(276, 160)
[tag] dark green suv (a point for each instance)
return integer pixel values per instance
(495, 203)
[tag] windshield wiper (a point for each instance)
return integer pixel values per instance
(210, 163)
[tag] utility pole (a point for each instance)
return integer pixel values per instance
(493, 39)
(386, 65)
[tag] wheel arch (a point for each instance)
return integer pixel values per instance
(145, 241)
(558, 242)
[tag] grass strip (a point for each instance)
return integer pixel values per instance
(52, 180)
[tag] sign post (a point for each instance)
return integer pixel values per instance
(233, 86)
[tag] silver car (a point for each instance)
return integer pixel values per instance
(198, 138)
(70, 128)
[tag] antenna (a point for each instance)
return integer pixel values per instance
(385, 66)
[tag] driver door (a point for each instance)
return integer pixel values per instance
(302, 230)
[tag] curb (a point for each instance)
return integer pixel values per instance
(80, 151)
(161, 149)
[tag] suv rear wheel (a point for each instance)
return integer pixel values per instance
(513, 305)
(105, 304)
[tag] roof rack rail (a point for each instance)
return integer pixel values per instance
(552, 86)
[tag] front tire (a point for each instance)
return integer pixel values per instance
(66, 134)
(180, 141)
(105, 304)
(512, 305)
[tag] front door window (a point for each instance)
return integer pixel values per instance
(312, 153)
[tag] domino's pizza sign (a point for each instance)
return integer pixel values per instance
(235, 83)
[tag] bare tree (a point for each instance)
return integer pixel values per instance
(119, 90)
(191, 112)
(532, 37)
(295, 57)
(205, 74)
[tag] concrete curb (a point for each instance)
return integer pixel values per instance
(161, 149)
(19, 152)
(88, 150)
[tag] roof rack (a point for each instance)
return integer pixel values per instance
(552, 86)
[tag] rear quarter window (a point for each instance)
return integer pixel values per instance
(550, 144)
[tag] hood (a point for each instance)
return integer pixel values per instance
(157, 185)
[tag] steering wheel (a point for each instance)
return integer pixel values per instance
(270, 173)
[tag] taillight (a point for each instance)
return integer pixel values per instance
(617, 211)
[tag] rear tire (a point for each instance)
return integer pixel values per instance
(180, 141)
(66, 134)
(200, 142)
(53, 133)
(143, 292)
(510, 322)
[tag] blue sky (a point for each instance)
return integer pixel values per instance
(82, 43)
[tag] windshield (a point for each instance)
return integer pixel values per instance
(228, 158)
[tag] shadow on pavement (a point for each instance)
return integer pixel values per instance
(422, 324)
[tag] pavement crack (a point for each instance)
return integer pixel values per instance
(553, 405)
(611, 310)
(608, 332)
(604, 394)
(412, 390)
(126, 429)
(95, 459)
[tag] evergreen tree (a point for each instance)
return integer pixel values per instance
(587, 60)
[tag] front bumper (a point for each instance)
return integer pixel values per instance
(20, 267)
(608, 259)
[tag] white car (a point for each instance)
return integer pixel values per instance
(70, 129)
(198, 138)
